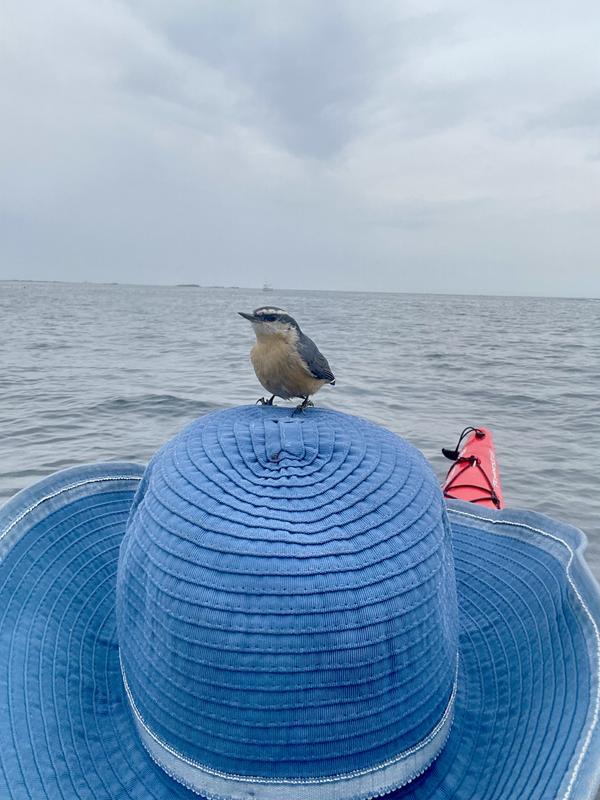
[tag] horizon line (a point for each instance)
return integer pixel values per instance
(275, 290)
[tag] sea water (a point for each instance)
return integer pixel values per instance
(109, 372)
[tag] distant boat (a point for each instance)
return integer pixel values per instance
(267, 287)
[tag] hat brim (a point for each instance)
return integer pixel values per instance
(528, 701)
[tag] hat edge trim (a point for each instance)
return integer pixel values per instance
(575, 551)
(25, 502)
(407, 765)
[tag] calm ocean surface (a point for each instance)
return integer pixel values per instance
(106, 372)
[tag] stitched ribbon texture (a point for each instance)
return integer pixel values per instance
(287, 608)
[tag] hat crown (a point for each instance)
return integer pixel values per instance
(286, 605)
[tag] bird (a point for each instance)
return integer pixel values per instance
(286, 362)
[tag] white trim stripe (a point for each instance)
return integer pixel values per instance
(367, 783)
(58, 492)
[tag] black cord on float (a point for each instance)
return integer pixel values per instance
(453, 455)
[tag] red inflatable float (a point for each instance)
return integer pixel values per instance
(474, 476)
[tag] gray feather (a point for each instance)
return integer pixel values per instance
(315, 360)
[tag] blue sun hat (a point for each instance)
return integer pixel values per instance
(281, 607)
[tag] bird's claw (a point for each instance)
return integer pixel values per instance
(262, 401)
(306, 403)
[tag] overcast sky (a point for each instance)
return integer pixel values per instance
(403, 146)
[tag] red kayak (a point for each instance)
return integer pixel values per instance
(474, 476)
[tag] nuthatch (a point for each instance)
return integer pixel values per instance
(287, 363)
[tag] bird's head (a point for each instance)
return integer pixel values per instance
(270, 321)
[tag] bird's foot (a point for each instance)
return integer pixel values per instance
(262, 401)
(306, 403)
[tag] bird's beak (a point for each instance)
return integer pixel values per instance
(249, 317)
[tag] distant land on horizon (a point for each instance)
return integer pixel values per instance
(283, 290)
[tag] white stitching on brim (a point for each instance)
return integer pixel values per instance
(160, 752)
(58, 492)
(596, 713)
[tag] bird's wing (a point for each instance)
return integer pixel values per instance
(315, 360)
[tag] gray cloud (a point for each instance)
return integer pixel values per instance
(304, 72)
(429, 146)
